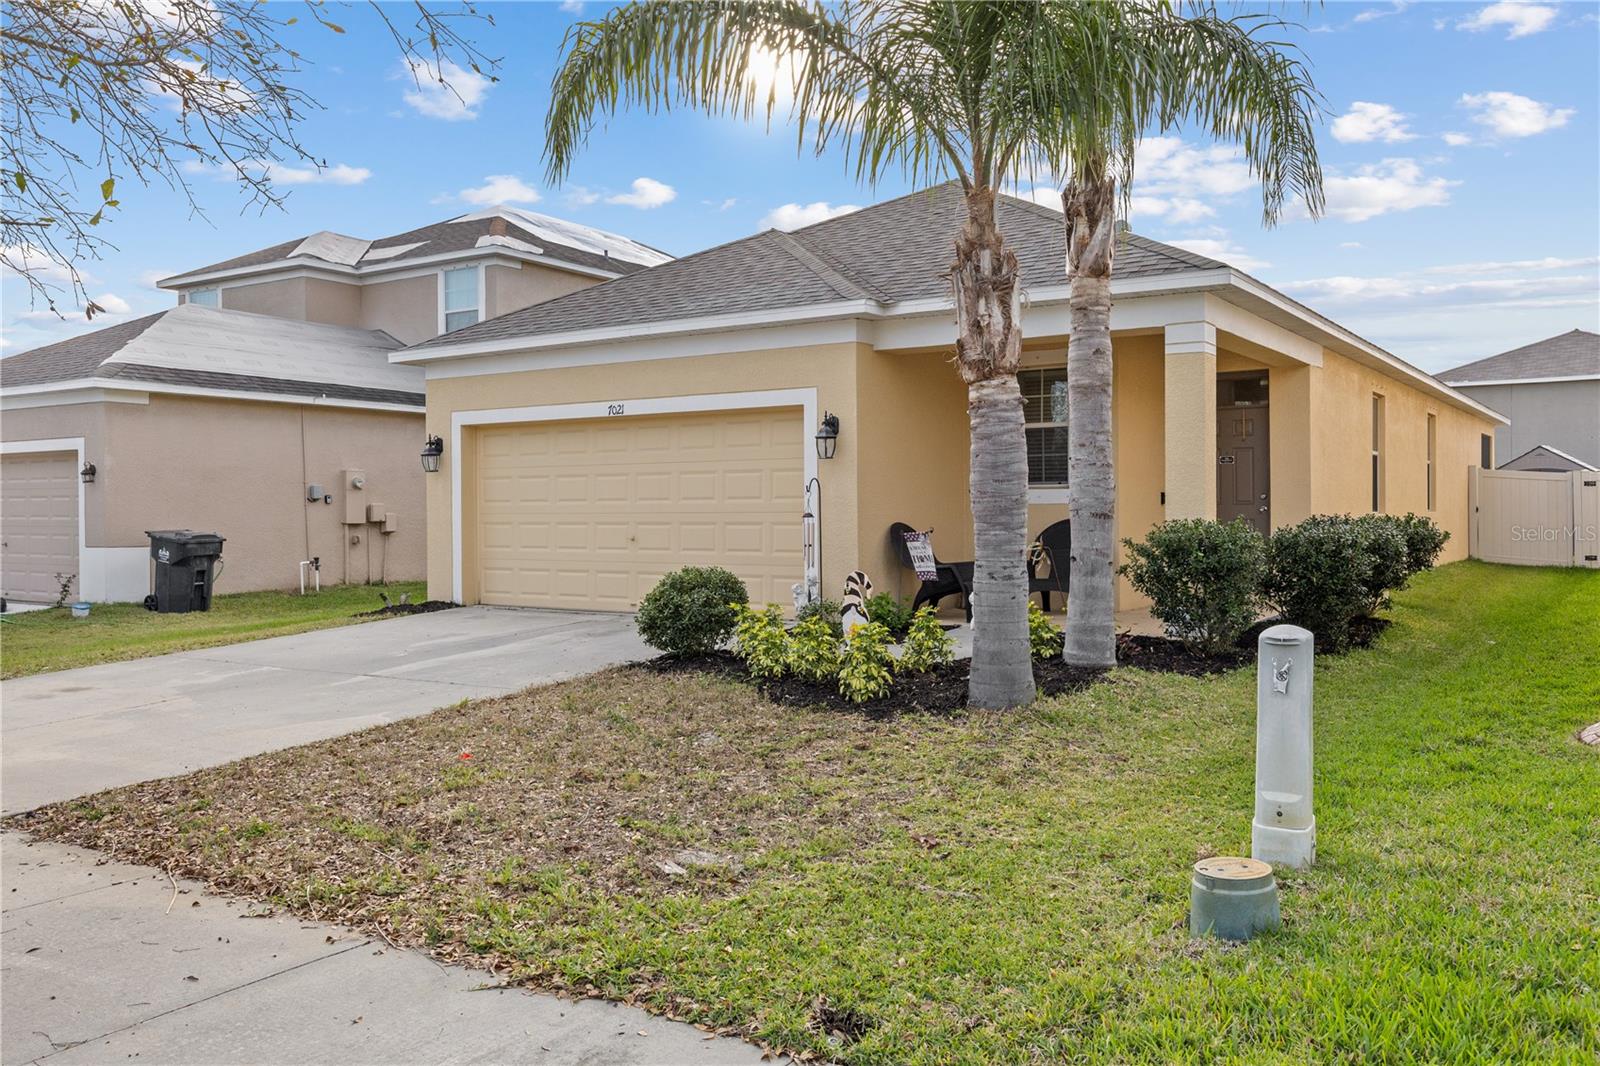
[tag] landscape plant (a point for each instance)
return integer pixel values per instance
(894, 615)
(1044, 636)
(865, 668)
(1202, 577)
(759, 639)
(691, 611)
(813, 649)
(927, 645)
(828, 610)
(1424, 541)
(1384, 543)
(1318, 576)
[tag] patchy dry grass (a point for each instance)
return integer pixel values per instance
(998, 888)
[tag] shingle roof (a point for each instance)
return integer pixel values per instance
(554, 238)
(889, 252)
(1569, 355)
(230, 350)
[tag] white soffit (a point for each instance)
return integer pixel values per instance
(235, 342)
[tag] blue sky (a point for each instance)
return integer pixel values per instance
(1461, 149)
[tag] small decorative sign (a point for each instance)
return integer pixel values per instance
(1225, 460)
(921, 550)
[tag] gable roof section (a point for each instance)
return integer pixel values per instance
(890, 252)
(1574, 354)
(189, 347)
(1546, 457)
(554, 239)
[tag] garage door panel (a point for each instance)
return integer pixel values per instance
(38, 524)
(635, 498)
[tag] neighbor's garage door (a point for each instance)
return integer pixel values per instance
(590, 514)
(38, 524)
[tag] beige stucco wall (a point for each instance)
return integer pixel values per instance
(1340, 445)
(830, 369)
(509, 289)
(235, 467)
(304, 299)
(407, 308)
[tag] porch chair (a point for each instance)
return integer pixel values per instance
(951, 579)
(1055, 540)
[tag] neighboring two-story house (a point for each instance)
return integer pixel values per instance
(264, 406)
(1550, 390)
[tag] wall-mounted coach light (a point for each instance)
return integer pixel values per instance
(827, 436)
(430, 454)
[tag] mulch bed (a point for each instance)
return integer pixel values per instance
(942, 690)
(425, 607)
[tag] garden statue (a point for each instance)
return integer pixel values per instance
(857, 589)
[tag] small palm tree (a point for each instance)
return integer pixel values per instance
(928, 89)
(1106, 75)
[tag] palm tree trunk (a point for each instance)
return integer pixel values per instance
(1091, 478)
(985, 281)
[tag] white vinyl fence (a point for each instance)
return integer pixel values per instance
(1536, 519)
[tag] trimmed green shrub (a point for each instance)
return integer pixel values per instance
(1202, 578)
(1424, 541)
(759, 639)
(828, 611)
(1045, 638)
(690, 611)
(813, 651)
(890, 613)
(1318, 574)
(927, 644)
(1384, 543)
(864, 669)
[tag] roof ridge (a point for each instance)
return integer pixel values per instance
(823, 265)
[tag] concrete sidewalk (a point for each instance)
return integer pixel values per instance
(79, 731)
(97, 969)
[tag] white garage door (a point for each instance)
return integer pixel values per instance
(38, 524)
(590, 514)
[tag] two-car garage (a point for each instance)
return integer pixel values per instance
(589, 513)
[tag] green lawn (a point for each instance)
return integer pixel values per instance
(983, 888)
(40, 641)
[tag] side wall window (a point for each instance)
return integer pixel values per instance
(1044, 407)
(1433, 462)
(460, 295)
(203, 297)
(1377, 452)
(1485, 452)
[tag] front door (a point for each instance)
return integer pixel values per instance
(1243, 475)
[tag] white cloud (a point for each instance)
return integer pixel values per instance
(1178, 209)
(500, 189)
(796, 216)
(1457, 140)
(338, 174)
(150, 279)
(578, 196)
(572, 7)
(1520, 19)
(721, 205)
(1166, 166)
(113, 303)
(1379, 188)
(1372, 14)
(456, 98)
(647, 193)
(17, 259)
(1517, 266)
(1350, 244)
(1510, 115)
(1223, 249)
(1532, 284)
(1366, 121)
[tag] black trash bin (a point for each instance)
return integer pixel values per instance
(186, 565)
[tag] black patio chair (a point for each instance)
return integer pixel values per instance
(951, 579)
(1056, 542)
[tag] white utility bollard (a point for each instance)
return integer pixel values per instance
(1284, 831)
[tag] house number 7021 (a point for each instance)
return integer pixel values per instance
(614, 409)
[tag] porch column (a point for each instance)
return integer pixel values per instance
(1191, 420)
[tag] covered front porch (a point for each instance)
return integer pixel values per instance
(1211, 418)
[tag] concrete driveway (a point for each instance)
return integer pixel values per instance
(79, 731)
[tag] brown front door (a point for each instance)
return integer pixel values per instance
(1243, 476)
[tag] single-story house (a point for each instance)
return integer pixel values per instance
(1550, 390)
(264, 407)
(596, 441)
